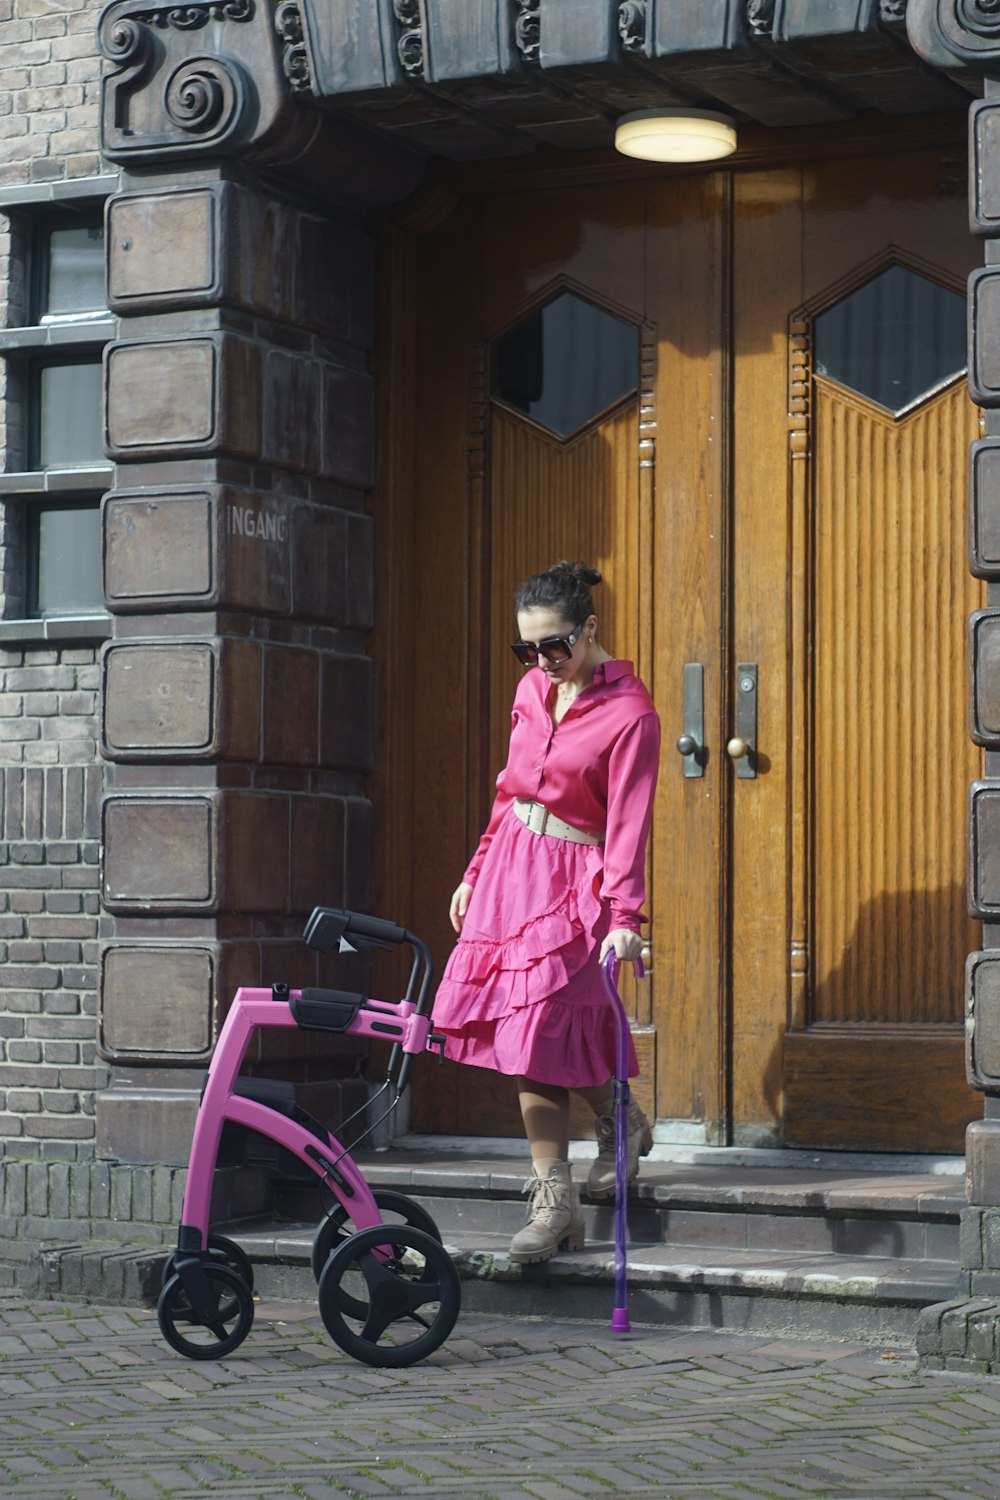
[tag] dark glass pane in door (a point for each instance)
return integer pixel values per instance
(566, 363)
(895, 339)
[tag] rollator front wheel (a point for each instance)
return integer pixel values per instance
(221, 1252)
(389, 1296)
(223, 1322)
(395, 1208)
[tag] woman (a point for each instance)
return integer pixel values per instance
(557, 880)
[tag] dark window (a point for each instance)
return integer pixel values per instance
(64, 550)
(71, 269)
(66, 415)
(895, 340)
(566, 363)
(55, 368)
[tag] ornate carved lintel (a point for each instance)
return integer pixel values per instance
(528, 29)
(410, 45)
(632, 25)
(760, 14)
(295, 57)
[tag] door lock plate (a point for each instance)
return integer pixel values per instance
(746, 718)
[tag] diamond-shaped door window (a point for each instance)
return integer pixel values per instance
(566, 363)
(896, 339)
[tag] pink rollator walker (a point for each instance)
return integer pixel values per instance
(621, 1094)
(389, 1293)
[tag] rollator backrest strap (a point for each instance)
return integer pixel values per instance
(325, 1010)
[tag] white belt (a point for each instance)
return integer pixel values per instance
(538, 819)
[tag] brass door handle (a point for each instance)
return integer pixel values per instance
(737, 748)
(687, 745)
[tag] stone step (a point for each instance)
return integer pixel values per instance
(836, 1253)
(869, 1298)
(910, 1215)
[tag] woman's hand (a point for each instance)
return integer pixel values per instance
(627, 944)
(460, 905)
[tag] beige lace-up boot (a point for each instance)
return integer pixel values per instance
(554, 1220)
(601, 1181)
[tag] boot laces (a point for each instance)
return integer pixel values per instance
(605, 1129)
(541, 1193)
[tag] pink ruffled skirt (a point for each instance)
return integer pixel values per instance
(522, 992)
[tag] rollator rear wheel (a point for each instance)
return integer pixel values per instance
(389, 1296)
(230, 1315)
(395, 1208)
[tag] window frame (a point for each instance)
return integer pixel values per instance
(47, 340)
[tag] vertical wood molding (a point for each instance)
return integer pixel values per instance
(482, 643)
(800, 682)
(644, 1009)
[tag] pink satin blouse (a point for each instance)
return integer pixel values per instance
(596, 769)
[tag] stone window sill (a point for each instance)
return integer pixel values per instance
(95, 627)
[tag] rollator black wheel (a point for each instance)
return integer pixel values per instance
(389, 1296)
(395, 1208)
(221, 1252)
(230, 1320)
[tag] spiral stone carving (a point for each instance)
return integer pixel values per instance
(410, 46)
(528, 29)
(760, 14)
(122, 39)
(970, 29)
(632, 25)
(295, 57)
(203, 96)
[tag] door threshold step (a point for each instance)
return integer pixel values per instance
(725, 1184)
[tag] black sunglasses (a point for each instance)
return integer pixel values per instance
(555, 649)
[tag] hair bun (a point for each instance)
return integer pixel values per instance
(580, 572)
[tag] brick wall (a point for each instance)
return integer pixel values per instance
(49, 917)
(50, 772)
(49, 85)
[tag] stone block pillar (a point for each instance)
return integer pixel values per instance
(964, 1334)
(237, 693)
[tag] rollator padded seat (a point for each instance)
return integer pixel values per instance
(325, 1010)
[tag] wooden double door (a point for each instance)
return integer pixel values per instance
(690, 381)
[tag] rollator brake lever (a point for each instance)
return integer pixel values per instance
(435, 1043)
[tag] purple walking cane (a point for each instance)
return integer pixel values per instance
(609, 971)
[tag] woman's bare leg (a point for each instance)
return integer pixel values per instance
(545, 1112)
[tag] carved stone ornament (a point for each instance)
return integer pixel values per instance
(295, 58)
(760, 14)
(410, 46)
(970, 29)
(528, 29)
(632, 25)
(174, 91)
(193, 17)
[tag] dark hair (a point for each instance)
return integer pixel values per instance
(565, 587)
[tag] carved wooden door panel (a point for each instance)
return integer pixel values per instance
(851, 841)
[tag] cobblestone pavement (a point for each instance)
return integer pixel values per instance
(94, 1405)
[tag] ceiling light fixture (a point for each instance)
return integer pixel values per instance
(676, 135)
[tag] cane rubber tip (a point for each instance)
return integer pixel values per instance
(620, 1322)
